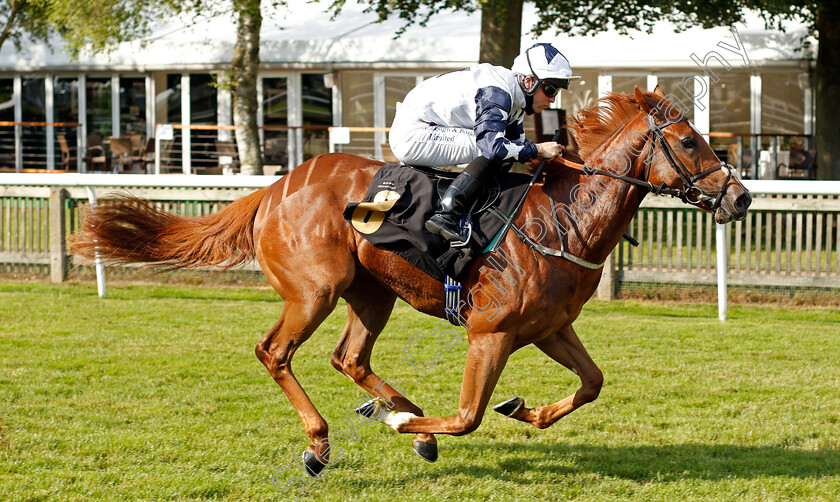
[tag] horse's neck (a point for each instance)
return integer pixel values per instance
(592, 212)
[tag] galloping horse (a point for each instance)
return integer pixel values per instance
(631, 145)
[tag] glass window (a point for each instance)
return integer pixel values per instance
(395, 90)
(168, 98)
(582, 93)
(203, 99)
(99, 122)
(168, 111)
(276, 114)
(7, 133)
(626, 84)
(317, 114)
(357, 105)
(729, 112)
(34, 107)
(33, 99)
(204, 109)
(133, 105)
(782, 103)
(66, 106)
(7, 101)
(729, 102)
(674, 86)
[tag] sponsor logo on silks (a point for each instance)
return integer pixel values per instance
(368, 216)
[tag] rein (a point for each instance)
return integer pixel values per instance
(689, 194)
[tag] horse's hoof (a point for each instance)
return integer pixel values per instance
(312, 464)
(427, 451)
(510, 406)
(372, 409)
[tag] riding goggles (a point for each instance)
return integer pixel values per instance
(553, 87)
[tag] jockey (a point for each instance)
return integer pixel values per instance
(474, 116)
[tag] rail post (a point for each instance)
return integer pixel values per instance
(58, 227)
(606, 288)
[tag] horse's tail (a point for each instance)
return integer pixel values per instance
(126, 229)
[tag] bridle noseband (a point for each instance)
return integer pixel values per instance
(691, 193)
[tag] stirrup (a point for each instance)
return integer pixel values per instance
(464, 223)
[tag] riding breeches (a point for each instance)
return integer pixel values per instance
(422, 144)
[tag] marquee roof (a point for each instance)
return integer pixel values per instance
(304, 35)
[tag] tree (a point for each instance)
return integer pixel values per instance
(21, 19)
(246, 61)
(501, 21)
(589, 17)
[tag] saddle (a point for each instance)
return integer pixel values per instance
(401, 198)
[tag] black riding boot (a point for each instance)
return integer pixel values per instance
(453, 207)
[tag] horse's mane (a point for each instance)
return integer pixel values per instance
(592, 127)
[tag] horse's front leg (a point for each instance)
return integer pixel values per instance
(565, 348)
(486, 358)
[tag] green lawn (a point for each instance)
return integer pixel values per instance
(154, 393)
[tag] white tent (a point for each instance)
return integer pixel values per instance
(304, 34)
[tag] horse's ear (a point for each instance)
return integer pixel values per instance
(641, 100)
(659, 92)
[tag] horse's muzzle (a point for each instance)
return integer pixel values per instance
(734, 205)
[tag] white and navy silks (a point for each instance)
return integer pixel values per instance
(456, 117)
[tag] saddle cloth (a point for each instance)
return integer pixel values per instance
(401, 198)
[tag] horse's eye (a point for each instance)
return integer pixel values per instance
(688, 143)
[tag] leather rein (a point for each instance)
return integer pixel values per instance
(689, 194)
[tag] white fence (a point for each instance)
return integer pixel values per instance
(790, 237)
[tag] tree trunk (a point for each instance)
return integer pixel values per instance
(246, 60)
(828, 92)
(10, 22)
(501, 32)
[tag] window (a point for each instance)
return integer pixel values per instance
(317, 114)
(626, 84)
(582, 93)
(782, 103)
(276, 114)
(675, 87)
(34, 138)
(66, 110)
(7, 114)
(99, 123)
(133, 105)
(357, 105)
(729, 111)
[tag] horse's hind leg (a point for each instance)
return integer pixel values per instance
(368, 308)
(566, 348)
(297, 323)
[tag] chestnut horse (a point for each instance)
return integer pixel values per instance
(632, 145)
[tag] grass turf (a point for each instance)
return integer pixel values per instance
(154, 393)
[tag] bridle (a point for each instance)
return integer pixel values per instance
(690, 193)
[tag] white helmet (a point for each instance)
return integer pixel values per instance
(544, 62)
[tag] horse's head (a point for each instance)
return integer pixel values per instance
(679, 157)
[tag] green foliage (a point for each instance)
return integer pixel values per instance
(588, 17)
(97, 26)
(23, 19)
